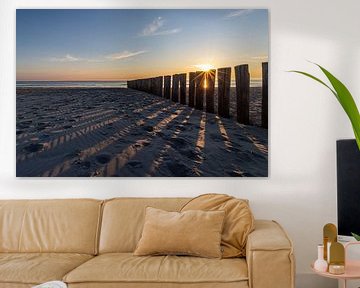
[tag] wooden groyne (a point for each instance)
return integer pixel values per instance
(202, 90)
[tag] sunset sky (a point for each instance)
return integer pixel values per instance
(89, 45)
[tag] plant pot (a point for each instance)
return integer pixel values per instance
(348, 187)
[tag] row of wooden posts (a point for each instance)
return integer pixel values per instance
(202, 85)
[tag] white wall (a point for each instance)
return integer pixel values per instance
(305, 120)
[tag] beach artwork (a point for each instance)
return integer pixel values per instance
(135, 93)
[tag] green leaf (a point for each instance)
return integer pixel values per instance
(357, 137)
(314, 78)
(356, 236)
(347, 102)
(344, 97)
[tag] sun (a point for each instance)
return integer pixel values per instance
(204, 67)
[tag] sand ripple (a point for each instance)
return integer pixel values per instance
(121, 132)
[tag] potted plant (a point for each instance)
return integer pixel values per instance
(345, 99)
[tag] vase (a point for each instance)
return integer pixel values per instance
(320, 264)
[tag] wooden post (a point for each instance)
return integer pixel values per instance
(199, 90)
(192, 76)
(224, 76)
(175, 88)
(147, 85)
(242, 78)
(182, 82)
(167, 86)
(159, 86)
(153, 85)
(265, 92)
(210, 90)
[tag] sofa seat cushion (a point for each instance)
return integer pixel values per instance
(127, 268)
(36, 268)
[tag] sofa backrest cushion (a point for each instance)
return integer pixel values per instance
(64, 226)
(239, 220)
(123, 220)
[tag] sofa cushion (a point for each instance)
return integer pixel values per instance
(239, 220)
(126, 268)
(194, 232)
(63, 226)
(237, 284)
(36, 268)
(123, 220)
(15, 285)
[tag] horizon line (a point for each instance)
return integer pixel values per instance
(105, 80)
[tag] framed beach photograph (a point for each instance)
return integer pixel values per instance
(142, 92)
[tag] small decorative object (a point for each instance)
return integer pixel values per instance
(337, 258)
(336, 269)
(344, 97)
(52, 284)
(328, 245)
(320, 264)
(329, 236)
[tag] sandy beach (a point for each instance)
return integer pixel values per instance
(81, 132)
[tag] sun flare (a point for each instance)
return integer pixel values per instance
(204, 67)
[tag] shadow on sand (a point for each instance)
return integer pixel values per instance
(121, 132)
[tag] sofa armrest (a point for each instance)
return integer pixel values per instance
(269, 256)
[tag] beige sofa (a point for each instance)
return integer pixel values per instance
(89, 243)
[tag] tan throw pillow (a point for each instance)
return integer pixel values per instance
(196, 233)
(239, 220)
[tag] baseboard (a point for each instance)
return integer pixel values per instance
(310, 280)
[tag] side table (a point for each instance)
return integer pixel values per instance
(352, 268)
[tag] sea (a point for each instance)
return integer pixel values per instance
(95, 84)
(71, 84)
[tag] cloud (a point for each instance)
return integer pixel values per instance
(261, 57)
(111, 57)
(155, 28)
(123, 55)
(238, 13)
(167, 32)
(66, 58)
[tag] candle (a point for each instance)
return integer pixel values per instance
(336, 269)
